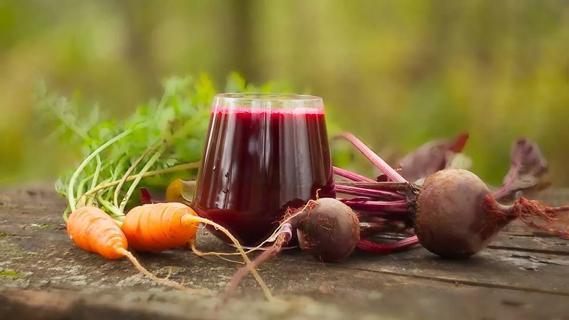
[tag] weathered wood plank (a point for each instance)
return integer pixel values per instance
(530, 243)
(508, 282)
(329, 294)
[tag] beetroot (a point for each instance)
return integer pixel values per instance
(457, 215)
(451, 218)
(328, 230)
(454, 214)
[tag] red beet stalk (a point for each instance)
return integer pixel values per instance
(376, 199)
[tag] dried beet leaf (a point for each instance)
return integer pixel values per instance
(431, 157)
(528, 170)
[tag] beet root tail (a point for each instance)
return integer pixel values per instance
(267, 255)
(529, 211)
(532, 213)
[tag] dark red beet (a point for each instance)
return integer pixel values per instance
(329, 230)
(451, 214)
(326, 227)
(457, 215)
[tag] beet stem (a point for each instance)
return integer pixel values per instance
(391, 216)
(393, 186)
(360, 198)
(351, 175)
(373, 158)
(371, 205)
(368, 192)
(375, 247)
(371, 228)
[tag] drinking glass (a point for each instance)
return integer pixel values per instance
(265, 153)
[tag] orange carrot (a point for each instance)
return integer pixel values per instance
(91, 229)
(160, 226)
(95, 231)
(154, 227)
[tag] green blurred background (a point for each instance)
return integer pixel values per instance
(397, 73)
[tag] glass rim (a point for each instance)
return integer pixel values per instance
(268, 97)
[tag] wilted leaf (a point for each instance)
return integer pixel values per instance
(528, 170)
(432, 157)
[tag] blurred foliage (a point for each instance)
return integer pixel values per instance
(397, 73)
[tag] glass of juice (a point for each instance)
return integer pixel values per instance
(265, 153)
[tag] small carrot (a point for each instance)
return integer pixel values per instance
(152, 227)
(95, 231)
(91, 229)
(162, 226)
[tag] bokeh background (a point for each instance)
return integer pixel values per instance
(397, 73)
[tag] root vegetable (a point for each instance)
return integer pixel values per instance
(451, 215)
(329, 230)
(91, 229)
(326, 228)
(457, 215)
(151, 227)
(160, 226)
(454, 213)
(452, 219)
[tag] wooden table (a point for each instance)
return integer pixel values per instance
(43, 276)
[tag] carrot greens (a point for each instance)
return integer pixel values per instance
(164, 139)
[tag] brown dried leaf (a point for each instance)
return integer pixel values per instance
(528, 170)
(431, 157)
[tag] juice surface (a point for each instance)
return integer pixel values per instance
(259, 163)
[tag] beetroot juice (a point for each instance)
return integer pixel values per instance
(264, 154)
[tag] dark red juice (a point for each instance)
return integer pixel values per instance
(259, 163)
